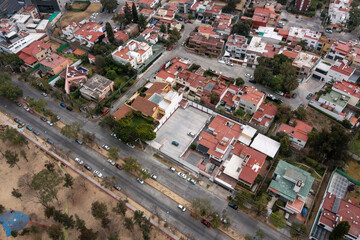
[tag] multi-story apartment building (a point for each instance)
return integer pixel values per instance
(134, 52)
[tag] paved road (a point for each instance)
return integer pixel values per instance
(240, 221)
(142, 194)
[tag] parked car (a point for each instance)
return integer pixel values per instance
(111, 162)
(191, 181)
(117, 187)
(62, 105)
(328, 31)
(232, 205)
(287, 95)
(175, 143)
(284, 19)
(182, 208)
(271, 97)
(153, 176)
(188, 21)
(182, 175)
(206, 223)
(309, 96)
(118, 166)
(170, 48)
(113, 135)
(221, 61)
(302, 105)
(43, 119)
(88, 167)
(50, 123)
(69, 108)
(140, 180)
(31, 111)
(294, 95)
(79, 161)
(252, 81)
(248, 75)
(190, 134)
(16, 120)
(297, 15)
(36, 132)
(97, 174)
(21, 123)
(18, 104)
(280, 93)
(79, 141)
(44, 94)
(130, 145)
(29, 127)
(230, 64)
(102, 9)
(278, 100)
(26, 108)
(106, 147)
(223, 220)
(50, 141)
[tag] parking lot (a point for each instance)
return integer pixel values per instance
(177, 128)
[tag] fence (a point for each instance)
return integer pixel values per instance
(331, 114)
(34, 68)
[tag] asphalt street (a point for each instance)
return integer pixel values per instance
(142, 194)
(240, 221)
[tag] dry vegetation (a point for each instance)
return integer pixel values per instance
(75, 200)
(78, 16)
(318, 120)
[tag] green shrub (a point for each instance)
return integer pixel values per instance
(193, 146)
(311, 162)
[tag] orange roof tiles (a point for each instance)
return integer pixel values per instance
(56, 61)
(300, 131)
(347, 87)
(343, 68)
(264, 114)
(156, 87)
(164, 75)
(252, 95)
(91, 31)
(145, 106)
(206, 30)
(121, 112)
(290, 54)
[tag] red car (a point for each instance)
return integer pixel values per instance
(287, 95)
(118, 166)
(206, 223)
(188, 21)
(170, 48)
(31, 111)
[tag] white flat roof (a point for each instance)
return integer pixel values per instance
(42, 25)
(233, 166)
(265, 145)
(24, 42)
(249, 131)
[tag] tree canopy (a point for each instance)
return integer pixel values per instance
(340, 231)
(46, 183)
(109, 5)
(242, 28)
(8, 89)
(109, 32)
(278, 219)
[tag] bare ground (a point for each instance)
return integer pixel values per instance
(78, 16)
(77, 200)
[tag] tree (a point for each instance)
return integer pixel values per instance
(109, 5)
(260, 204)
(11, 62)
(131, 164)
(79, 223)
(108, 181)
(7, 88)
(14, 137)
(354, 19)
(298, 231)
(46, 183)
(202, 207)
(129, 224)
(144, 174)
(88, 234)
(11, 158)
(127, 13)
(55, 232)
(100, 61)
(260, 234)
(134, 11)
(69, 180)
(120, 19)
(63, 218)
(215, 220)
(111, 74)
(230, 6)
(16, 193)
(242, 198)
(105, 222)
(71, 130)
(162, 28)
(214, 98)
(2, 209)
(109, 33)
(142, 22)
(145, 132)
(239, 81)
(99, 210)
(340, 231)
(300, 113)
(113, 236)
(113, 153)
(37, 105)
(285, 145)
(283, 113)
(242, 28)
(120, 208)
(278, 219)
(138, 217)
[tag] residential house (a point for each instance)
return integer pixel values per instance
(73, 77)
(207, 31)
(35, 52)
(205, 10)
(131, 29)
(296, 35)
(265, 145)
(353, 56)
(302, 5)
(88, 33)
(264, 116)
(97, 88)
(191, 84)
(304, 64)
(334, 101)
(340, 71)
(269, 35)
(230, 99)
(14, 41)
(339, 12)
(236, 45)
(339, 50)
(200, 44)
(216, 141)
(325, 43)
(264, 16)
(164, 76)
(69, 30)
(250, 99)
(121, 36)
(257, 47)
(159, 102)
(321, 71)
(53, 64)
(297, 131)
(290, 54)
(150, 4)
(165, 14)
(134, 52)
(223, 24)
(348, 89)
(292, 185)
(146, 12)
(244, 164)
(185, 5)
(151, 33)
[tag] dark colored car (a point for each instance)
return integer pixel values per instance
(62, 105)
(180, 19)
(88, 167)
(36, 132)
(175, 143)
(284, 19)
(294, 95)
(50, 141)
(18, 104)
(309, 96)
(43, 119)
(117, 187)
(69, 108)
(79, 141)
(118, 166)
(206, 223)
(16, 120)
(252, 81)
(29, 127)
(102, 9)
(233, 206)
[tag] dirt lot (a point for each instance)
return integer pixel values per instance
(78, 16)
(78, 5)
(77, 200)
(318, 120)
(240, 5)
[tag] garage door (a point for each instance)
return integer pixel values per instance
(316, 76)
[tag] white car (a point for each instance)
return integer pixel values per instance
(221, 61)
(106, 147)
(182, 175)
(111, 162)
(230, 64)
(248, 75)
(97, 174)
(44, 94)
(153, 176)
(182, 208)
(130, 145)
(113, 135)
(50, 123)
(26, 108)
(81, 162)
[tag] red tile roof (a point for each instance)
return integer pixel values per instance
(146, 2)
(91, 31)
(146, 11)
(290, 54)
(145, 106)
(156, 87)
(225, 133)
(347, 87)
(346, 211)
(249, 172)
(252, 95)
(121, 112)
(342, 47)
(264, 115)
(300, 131)
(177, 66)
(343, 68)
(56, 61)
(28, 53)
(206, 30)
(120, 35)
(164, 75)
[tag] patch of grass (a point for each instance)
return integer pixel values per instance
(353, 169)
(355, 145)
